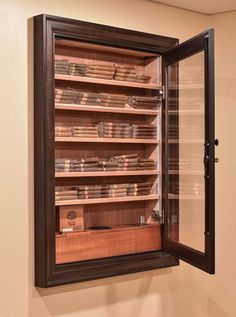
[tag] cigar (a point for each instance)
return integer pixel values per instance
(62, 129)
(66, 197)
(66, 193)
(66, 161)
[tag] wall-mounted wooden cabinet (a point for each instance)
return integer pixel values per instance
(124, 151)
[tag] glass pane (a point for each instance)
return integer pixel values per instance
(186, 192)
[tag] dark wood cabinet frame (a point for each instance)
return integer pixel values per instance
(46, 29)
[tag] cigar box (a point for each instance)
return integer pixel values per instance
(71, 218)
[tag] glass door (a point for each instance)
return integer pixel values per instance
(188, 193)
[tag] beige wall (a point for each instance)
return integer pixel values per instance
(222, 287)
(176, 292)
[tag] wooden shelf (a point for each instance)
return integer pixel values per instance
(186, 197)
(106, 82)
(105, 200)
(105, 140)
(109, 173)
(186, 172)
(126, 110)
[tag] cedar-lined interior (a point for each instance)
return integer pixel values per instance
(145, 65)
(122, 214)
(88, 245)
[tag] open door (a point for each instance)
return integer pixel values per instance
(188, 152)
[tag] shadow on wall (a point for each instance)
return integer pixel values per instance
(215, 310)
(171, 292)
(105, 294)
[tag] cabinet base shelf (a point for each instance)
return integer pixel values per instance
(93, 244)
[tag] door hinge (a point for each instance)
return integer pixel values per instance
(158, 216)
(162, 92)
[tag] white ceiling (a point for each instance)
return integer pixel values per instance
(202, 6)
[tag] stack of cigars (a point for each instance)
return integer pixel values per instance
(95, 71)
(127, 72)
(62, 66)
(74, 97)
(131, 162)
(84, 130)
(123, 72)
(89, 130)
(65, 193)
(142, 102)
(115, 130)
(83, 165)
(128, 162)
(144, 131)
(63, 131)
(113, 100)
(102, 191)
(107, 130)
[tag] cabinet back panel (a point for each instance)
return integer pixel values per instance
(114, 214)
(92, 117)
(103, 88)
(144, 66)
(85, 150)
(96, 180)
(71, 44)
